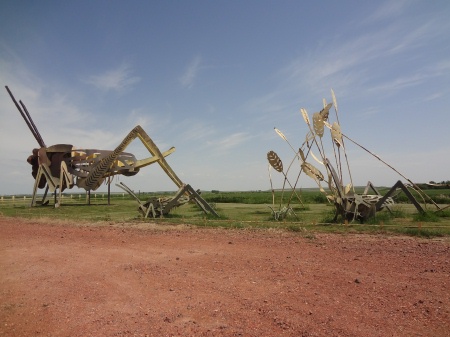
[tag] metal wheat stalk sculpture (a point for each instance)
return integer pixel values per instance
(349, 205)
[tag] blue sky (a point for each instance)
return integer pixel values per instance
(213, 79)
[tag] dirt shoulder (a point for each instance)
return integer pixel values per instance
(61, 279)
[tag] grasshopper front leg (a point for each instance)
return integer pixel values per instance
(97, 175)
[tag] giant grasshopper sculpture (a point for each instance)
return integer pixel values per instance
(349, 205)
(60, 166)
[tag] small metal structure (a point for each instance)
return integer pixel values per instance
(61, 166)
(158, 207)
(349, 205)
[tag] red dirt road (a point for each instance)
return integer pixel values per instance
(91, 280)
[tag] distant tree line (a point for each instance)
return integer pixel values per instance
(435, 185)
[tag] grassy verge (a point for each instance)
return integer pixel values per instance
(305, 219)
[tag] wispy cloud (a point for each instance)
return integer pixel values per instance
(433, 96)
(232, 141)
(191, 72)
(347, 63)
(339, 58)
(389, 9)
(197, 130)
(116, 79)
(442, 67)
(400, 83)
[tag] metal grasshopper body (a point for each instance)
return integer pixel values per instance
(61, 166)
(349, 205)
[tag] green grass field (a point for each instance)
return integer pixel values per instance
(239, 210)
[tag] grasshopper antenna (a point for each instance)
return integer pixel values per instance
(37, 133)
(27, 118)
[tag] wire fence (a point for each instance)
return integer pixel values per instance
(10, 200)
